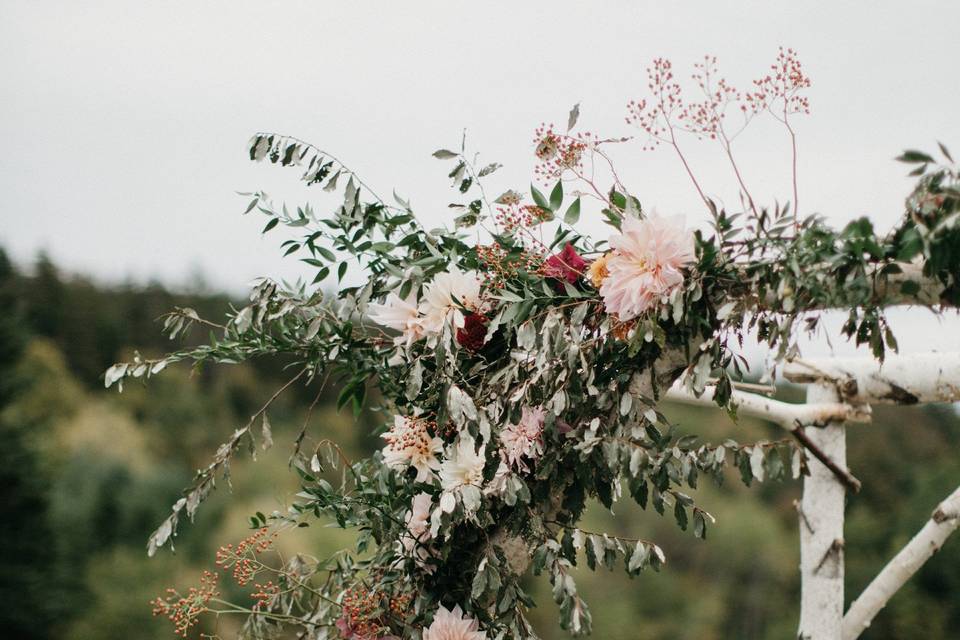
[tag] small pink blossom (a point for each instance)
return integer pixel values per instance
(523, 440)
(453, 625)
(646, 264)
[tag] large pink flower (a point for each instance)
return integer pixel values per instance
(453, 625)
(646, 264)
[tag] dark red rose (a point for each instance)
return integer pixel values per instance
(474, 330)
(566, 265)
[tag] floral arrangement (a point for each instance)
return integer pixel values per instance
(519, 363)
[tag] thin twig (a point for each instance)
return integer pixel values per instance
(844, 476)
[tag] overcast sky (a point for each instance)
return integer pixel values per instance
(123, 125)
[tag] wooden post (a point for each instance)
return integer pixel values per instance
(821, 530)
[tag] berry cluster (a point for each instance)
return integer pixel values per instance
(365, 612)
(558, 152)
(501, 264)
(654, 117)
(705, 119)
(414, 435)
(513, 217)
(666, 110)
(265, 594)
(779, 90)
(184, 611)
(242, 558)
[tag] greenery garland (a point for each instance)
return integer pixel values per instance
(519, 376)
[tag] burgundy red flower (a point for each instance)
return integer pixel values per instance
(566, 265)
(473, 332)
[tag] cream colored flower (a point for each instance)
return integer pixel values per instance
(399, 314)
(646, 264)
(414, 541)
(443, 296)
(453, 625)
(463, 465)
(409, 444)
(498, 485)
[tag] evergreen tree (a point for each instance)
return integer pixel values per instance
(26, 538)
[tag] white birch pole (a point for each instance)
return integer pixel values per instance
(944, 521)
(786, 414)
(900, 379)
(821, 530)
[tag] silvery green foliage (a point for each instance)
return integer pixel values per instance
(548, 344)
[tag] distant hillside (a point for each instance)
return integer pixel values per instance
(85, 475)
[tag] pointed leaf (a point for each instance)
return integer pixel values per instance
(556, 196)
(573, 212)
(573, 117)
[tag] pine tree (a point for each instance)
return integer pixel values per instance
(26, 538)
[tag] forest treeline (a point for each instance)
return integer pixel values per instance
(86, 474)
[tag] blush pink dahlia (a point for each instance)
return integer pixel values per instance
(453, 625)
(646, 263)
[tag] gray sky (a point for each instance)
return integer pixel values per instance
(124, 124)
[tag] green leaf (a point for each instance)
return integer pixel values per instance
(680, 514)
(443, 154)
(490, 168)
(382, 247)
(573, 212)
(910, 287)
(538, 198)
(479, 585)
(943, 150)
(699, 525)
(613, 218)
(573, 117)
(556, 196)
(270, 225)
(321, 275)
(912, 156)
